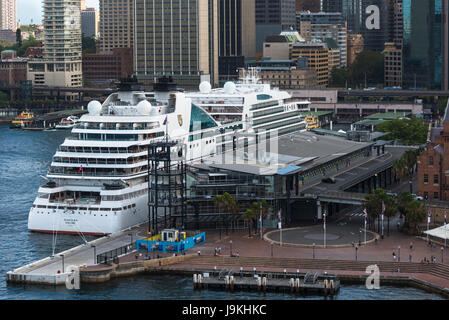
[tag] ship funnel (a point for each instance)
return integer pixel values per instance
(163, 87)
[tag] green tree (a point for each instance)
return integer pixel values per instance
(89, 45)
(412, 131)
(368, 65)
(373, 204)
(339, 76)
(31, 42)
(441, 105)
(250, 215)
(399, 169)
(227, 203)
(415, 213)
(19, 37)
(404, 200)
(391, 208)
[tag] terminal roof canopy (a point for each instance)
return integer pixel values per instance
(288, 154)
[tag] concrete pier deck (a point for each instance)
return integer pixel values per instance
(50, 270)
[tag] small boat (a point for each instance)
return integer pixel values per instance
(312, 122)
(67, 123)
(24, 119)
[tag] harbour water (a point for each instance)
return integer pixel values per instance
(24, 157)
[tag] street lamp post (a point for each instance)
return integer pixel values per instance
(399, 253)
(442, 254)
(95, 254)
(131, 235)
(411, 186)
(360, 237)
(230, 248)
(62, 262)
(356, 248)
(313, 250)
(272, 249)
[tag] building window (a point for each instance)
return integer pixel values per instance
(430, 161)
(426, 178)
(435, 195)
(435, 179)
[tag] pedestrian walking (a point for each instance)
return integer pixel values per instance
(410, 258)
(398, 225)
(411, 245)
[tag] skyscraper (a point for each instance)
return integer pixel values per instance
(445, 33)
(116, 24)
(332, 6)
(177, 38)
(423, 44)
(272, 17)
(237, 35)
(323, 25)
(62, 64)
(308, 5)
(357, 15)
(8, 15)
(89, 22)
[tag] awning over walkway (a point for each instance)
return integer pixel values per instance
(441, 232)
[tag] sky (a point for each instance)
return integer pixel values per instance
(32, 9)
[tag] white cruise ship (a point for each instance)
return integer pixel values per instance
(256, 105)
(97, 182)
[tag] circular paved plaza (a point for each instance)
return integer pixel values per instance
(336, 235)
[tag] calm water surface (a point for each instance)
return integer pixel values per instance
(24, 156)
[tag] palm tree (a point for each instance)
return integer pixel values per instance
(250, 215)
(391, 208)
(404, 200)
(255, 210)
(410, 158)
(373, 204)
(227, 203)
(398, 169)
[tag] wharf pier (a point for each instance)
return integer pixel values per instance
(51, 270)
(303, 283)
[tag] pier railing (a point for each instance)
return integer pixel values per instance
(111, 255)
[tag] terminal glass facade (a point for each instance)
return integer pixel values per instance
(422, 39)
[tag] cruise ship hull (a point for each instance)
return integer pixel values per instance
(87, 222)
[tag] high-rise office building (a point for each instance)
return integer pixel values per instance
(395, 22)
(332, 6)
(237, 36)
(358, 18)
(8, 15)
(445, 53)
(90, 22)
(317, 55)
(423, 45)
(324, 25)
(272, 17)
(375, 36)
(392, 65)
(62, 61)
(308, 5)
(177, 39)
(116, 24)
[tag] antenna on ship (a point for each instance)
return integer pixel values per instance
(250, 75)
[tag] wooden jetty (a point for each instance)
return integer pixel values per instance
(303, 283)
